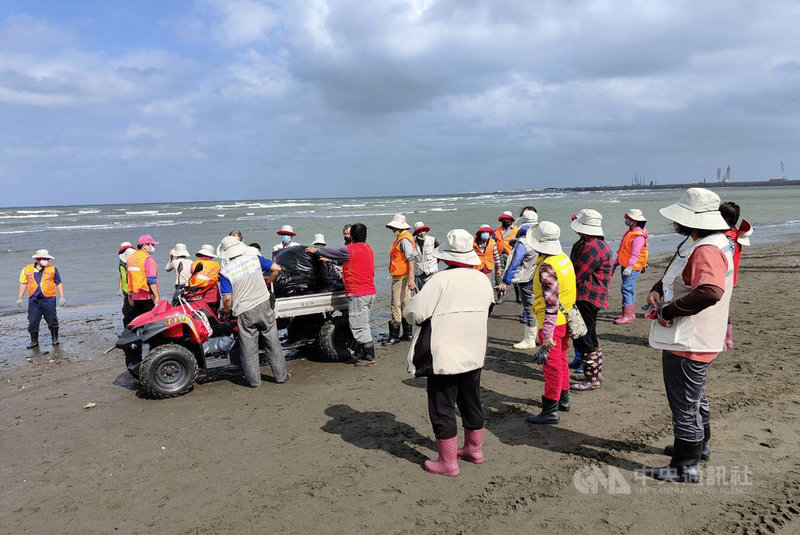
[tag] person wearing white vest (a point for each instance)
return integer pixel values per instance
(519, 271)
(690, 306)
(425, 264)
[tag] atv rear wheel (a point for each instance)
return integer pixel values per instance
(336, 340)
(168, 371)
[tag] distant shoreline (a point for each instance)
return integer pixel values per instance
(644, 187)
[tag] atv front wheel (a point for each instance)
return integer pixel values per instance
(336, 340)
(168, 371)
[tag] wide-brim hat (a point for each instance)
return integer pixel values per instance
(459, 248)
(419, 226)
(486, 228)
(698, 208)
(206, 250)
(545, 238)
(179, 251)
(528, 217)
(635, 214)
(147, 239)
(745, 231)
(506, 215)
(230, 247)
(589, 222)
(286, 230)
(399, 222)
(42, 254)
(319, 239)
(124, 246)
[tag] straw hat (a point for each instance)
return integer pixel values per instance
(398, 222)
(485, 228)
(506, 215)
(459, 248)
(206, 250)
(319, 239)
(635, 214)
(42, 254)
(588, 222)
(544, 238)
(179, 251)
(147, 239)
(230, 246)
(419, 226)
(286, 230)
(698, 208)
(529, 217)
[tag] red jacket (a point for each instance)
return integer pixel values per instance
(358, 271)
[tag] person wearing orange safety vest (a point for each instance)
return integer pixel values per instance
(503, 236)
(125, 251)
(401, 268)
(487, 251)
(42, 280)
(208, 277)
(143, 277)
(632, 256)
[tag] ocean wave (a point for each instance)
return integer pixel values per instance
(36, 211)
(89, 211)
(352, 205)
(28, 216)
(443, 209)
(143, 212)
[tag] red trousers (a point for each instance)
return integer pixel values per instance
(556, 371)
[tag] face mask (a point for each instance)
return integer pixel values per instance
(484, 235)
(627, 222)
(286, 239)
(153, 250)
(43, 262)
(348, 240)
(396, 232)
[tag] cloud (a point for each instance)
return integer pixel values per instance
(242, 22)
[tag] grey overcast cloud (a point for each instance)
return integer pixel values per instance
(106, 102)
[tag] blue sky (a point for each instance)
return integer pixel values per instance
(180, 100)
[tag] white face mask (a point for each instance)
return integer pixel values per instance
(43, 262)
(153, 250)
(396, 232)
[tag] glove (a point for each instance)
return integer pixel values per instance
(627, 272)
(541, 355)
(19, 303)
(62, 301)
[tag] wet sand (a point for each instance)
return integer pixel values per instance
(339, 449)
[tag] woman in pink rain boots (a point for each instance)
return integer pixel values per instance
(632, 258)
(450, 316)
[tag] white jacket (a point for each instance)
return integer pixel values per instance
(451, 312)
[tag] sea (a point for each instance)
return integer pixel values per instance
(84, 239)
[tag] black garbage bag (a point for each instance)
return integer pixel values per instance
(304, 273)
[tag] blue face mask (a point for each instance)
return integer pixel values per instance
(286, 239)
(484, 235)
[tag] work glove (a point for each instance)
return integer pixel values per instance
(19, 303)
(627, 272)
(541, 355)
(62, 301)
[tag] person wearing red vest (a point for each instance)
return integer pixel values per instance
(42, 280)
(738, 236)
(358, 272)
(143, 277)
(632, 256)
(401, 268)
(208, 277)
(503, 236)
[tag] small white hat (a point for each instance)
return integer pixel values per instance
(745, 231)
(125, 250)
(506, 215)
(179, 251)
(399, 222)
(459, 248)
(43, 254)
(287, 230)
(230, 246)
(588, 222)
(529, 217)
(544, 238)
(419, 226)
(319, 239)
(698, 208)
(635, 214)
(206, 250)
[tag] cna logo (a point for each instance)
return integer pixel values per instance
(590, 479)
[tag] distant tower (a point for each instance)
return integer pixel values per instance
(727, 175)
(719, 174)
(783, 173)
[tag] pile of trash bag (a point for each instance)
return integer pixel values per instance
(304, 273)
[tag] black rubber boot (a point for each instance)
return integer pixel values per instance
(705, 453)
(34, 341)
(367, 356)
(549, 414)
(407, 334)
(516, 294)
(563, 402)
(683, 466)
(394, 334)
(54, 335)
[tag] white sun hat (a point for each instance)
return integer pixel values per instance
(544, 238)
(126, 249)
(459, 248)
(419, 226)
(206, 250)
(399, 222)
(179, 251)
(529, 217)
(589, 222)
(698, 208)
(230, 246)
(42, 254)
(319, 239)
(745, 231)
(635, 214)
(286, 230)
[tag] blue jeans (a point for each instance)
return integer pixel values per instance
(629, 288)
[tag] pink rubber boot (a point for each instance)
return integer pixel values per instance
(446, 464)
(473, 444)
(628, 315)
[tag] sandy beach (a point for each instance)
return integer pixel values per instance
(339, 449)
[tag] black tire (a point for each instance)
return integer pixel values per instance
(133, 359)
(336, 341)
(167, 371)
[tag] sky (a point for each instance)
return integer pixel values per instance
(167, 100)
